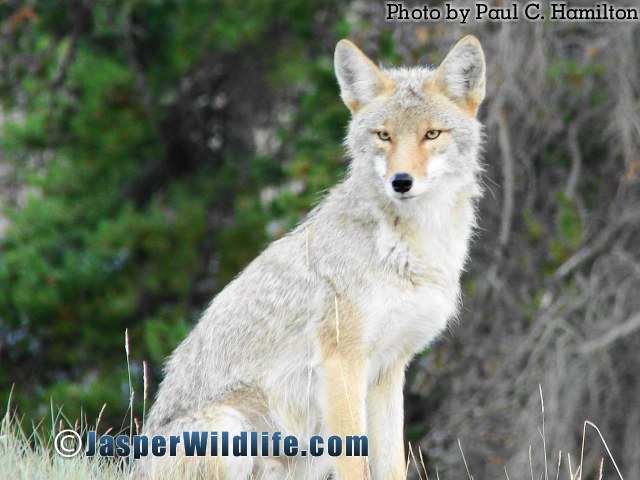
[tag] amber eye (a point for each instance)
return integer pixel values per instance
(432, 134)
(384, 136)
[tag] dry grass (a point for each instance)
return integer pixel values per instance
(32, 456)
(566, 471)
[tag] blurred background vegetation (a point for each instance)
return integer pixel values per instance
(149, 149)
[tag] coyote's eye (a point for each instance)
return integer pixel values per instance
(432, 134)
(384, 136)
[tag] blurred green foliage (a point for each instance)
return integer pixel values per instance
(110, 234)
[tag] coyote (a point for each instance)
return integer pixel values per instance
(314, 336)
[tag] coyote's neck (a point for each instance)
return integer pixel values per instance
(423, 237)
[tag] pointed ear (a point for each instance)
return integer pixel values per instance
(360, 79)
(461, 75)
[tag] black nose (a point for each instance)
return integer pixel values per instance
(401, 182)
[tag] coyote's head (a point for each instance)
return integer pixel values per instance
(413, 129)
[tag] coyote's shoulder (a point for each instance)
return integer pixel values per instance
(314, 335)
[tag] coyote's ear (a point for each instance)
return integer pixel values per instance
(359, 78)
(461, 75)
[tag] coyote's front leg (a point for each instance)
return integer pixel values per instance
(344, 409)
(344, 383)
(385, 417)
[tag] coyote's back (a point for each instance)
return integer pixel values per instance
(314, 336)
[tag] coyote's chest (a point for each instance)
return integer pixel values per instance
(411, 302)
